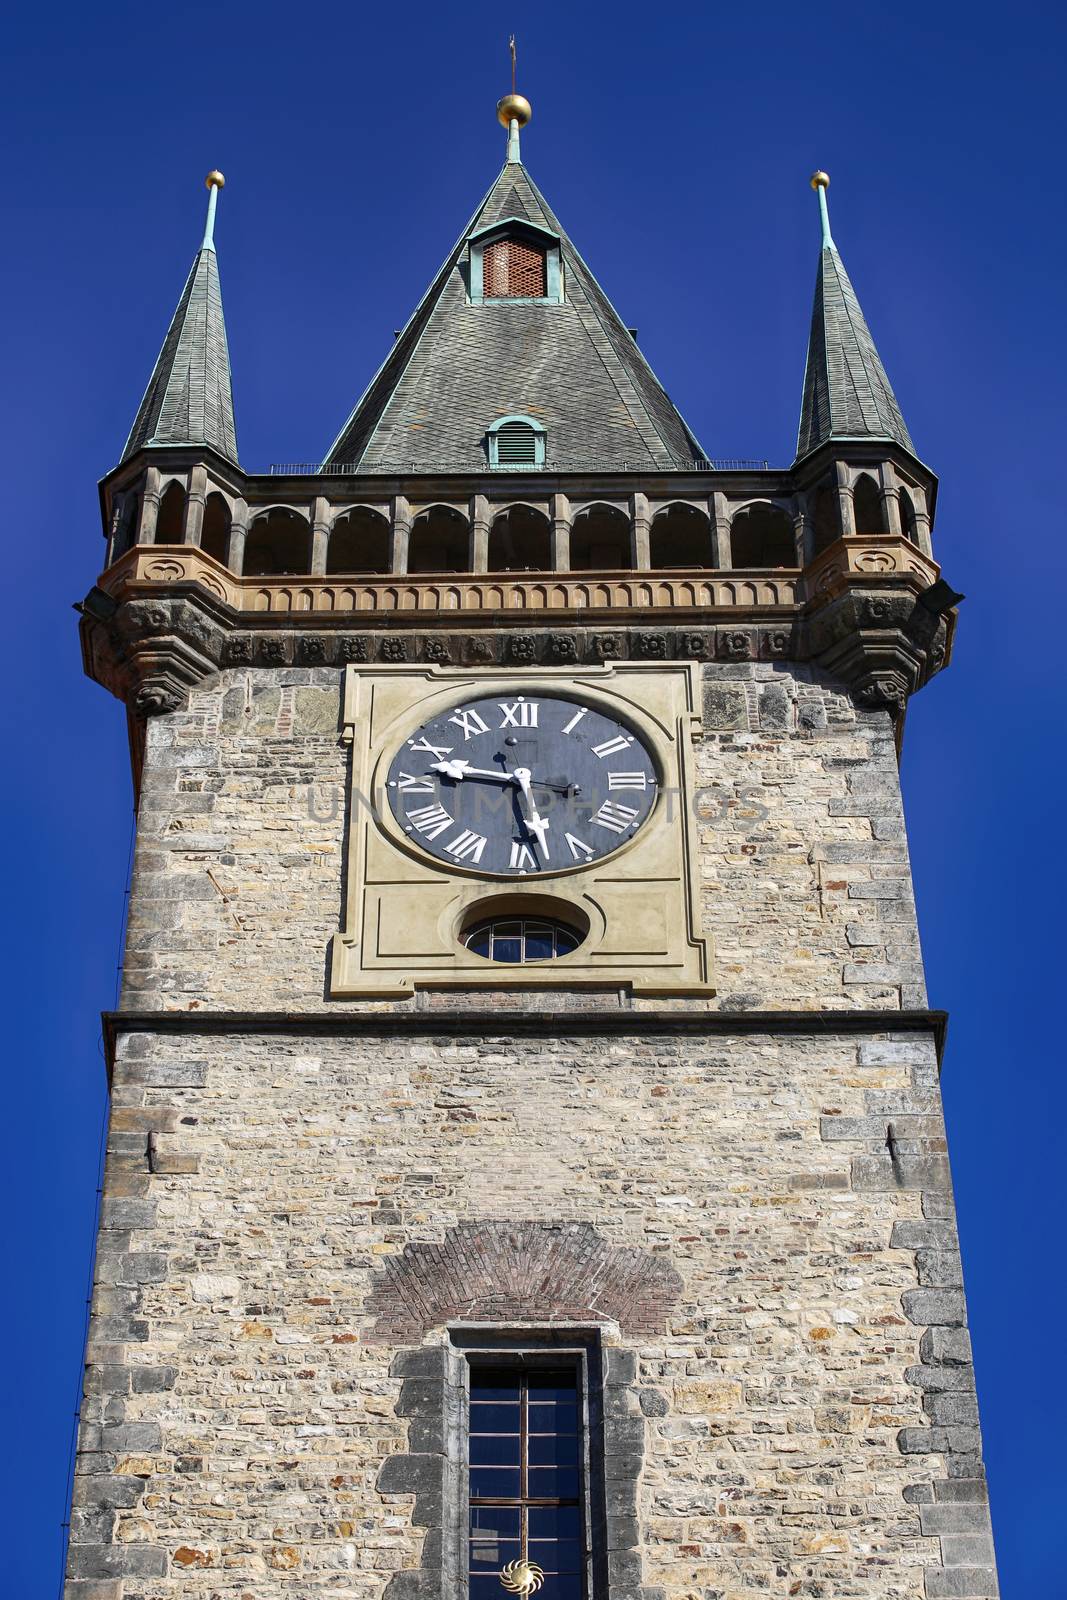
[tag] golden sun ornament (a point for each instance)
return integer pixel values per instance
(522, 1577)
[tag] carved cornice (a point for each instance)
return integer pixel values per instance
(870, 610)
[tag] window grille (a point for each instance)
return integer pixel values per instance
(513, 270)
(525, 1480)
(522, 940)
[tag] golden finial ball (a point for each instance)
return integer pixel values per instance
(514, 108)
(214, 180)
(820, 180)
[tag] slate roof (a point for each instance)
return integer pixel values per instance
(189, 400)
(846, 392)
(457, 367)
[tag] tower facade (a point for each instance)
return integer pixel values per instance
(526, 1168)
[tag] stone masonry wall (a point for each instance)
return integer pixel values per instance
(805, 878)
(802, 1396)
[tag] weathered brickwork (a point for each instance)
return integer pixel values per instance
(806, 1418)
(804, 866)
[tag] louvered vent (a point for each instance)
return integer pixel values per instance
(513, 271)
(516, 445)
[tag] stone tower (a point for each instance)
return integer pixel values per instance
(526, 1168)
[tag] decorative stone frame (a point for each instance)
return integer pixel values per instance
(522, 227)
(403, 909)
(434, 1396)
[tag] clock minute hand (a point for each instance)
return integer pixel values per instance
(463, 769)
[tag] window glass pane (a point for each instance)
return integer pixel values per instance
(491, 1386)
(504, 1522)
(494, 1419)
(479, 942)
(564, 1556)
(553, 1450)
(507, 929)
(495, 1483)
(538, 945)
(496, 1450)
(565, 942)
(495, 1553)
(507, 949)
(553, 1419)
(558, 1588)
(551, 1388)
(552, 1483)
(554, 1522)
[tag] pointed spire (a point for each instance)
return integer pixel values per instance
(846, 392)
(189, 399)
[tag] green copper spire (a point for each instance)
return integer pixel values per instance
(189, 399)
(846, 392)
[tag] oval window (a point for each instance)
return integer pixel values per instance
(521, 939)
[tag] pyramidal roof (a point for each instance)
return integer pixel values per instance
(846, 392)
(458, 367)
(189, 398)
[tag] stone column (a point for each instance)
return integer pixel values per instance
(922, 522)
(561, 533)
(401, 533)
(719, 512)
(479, 537)
(890, 492)
(845, 510)
(235, 542)
(320, 535)
(640, 541)
(146, 534)
(193, 521)
(803, 531)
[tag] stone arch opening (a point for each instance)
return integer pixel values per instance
(128, 523)
(908, 522)
(867, 510)
(439, 542)
(825, 518)
(520, 540)
(215, 532)
(762, 536)
(359, 542)
(171, 514)
(600, 540)
(680, 537)
(278, 545)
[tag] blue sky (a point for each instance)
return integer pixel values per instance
(675, 143)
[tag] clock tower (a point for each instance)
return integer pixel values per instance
(526, 1168)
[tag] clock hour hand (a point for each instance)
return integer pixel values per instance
(463, 769)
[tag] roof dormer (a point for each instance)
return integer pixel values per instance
(515, 260)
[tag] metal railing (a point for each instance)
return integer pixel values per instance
(348, 469)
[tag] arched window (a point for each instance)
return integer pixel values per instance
(171, 514)
(278, 545)
(359, 542)
(216, 528)
(516, 442)
(127, 523)
(522, 939)
(762, 536)
(600, 540)
(825, 522)
(520, 540)
(439, 542)
(680, 537)
(513, 270)
(907, 515)
(867, 505)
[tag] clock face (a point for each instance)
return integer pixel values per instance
(514, 785)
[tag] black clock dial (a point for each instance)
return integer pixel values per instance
(521, 784)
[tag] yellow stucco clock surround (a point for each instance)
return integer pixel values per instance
(631, 894)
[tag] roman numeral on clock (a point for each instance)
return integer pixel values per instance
(617, 818)
(522, 857)
(438, 751)
(627, 780)
(409, 784)
(611, 747)
(523, 714)
(577, 717)
(430, 820)
(469, 721)
(467, 845)
(580, 851)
